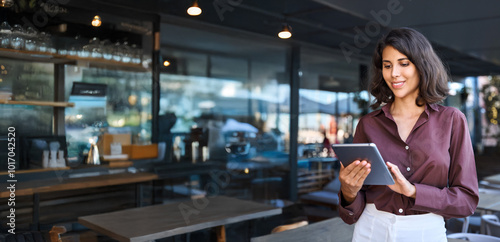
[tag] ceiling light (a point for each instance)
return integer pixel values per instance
(194, 10)
(96, 22)
(166, 63)
(286, 32)
(6, 3)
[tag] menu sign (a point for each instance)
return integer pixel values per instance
(89, 89)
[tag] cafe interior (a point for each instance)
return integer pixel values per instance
(195, 120)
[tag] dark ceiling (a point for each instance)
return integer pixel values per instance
(464, 33)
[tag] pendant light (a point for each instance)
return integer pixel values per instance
(96, 22)
(286, 32)
(194, 10)
(6, 3)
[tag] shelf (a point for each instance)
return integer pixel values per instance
(33, 56)
(35, 170)
(108, 64)
(39, 103)
(68, 59)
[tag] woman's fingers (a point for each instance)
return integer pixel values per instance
(352, 178)
(396, 173)
(401, 185)
(356, 172)
(364, 173)
(356, 166)
(361, 172)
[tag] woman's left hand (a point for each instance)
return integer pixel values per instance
(401, 185)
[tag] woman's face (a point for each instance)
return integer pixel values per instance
(400, 74)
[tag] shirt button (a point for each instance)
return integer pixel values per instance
(400, 210)
(407, 147)
(408, 169)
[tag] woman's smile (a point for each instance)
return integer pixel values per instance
(400, 74)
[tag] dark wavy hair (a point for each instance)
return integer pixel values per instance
(433, 86)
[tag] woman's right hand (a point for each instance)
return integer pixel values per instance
(352, 178)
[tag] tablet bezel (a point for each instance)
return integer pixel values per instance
(347, 153)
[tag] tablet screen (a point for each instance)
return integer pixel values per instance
(347, 153)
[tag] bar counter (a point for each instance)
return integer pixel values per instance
(63, 184)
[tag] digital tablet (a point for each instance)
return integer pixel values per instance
(347, 153)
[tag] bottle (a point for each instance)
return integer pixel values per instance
(45, 159)
(205, 153)
(61, 162)
(93, 156)
(53, 158)
(194, 151)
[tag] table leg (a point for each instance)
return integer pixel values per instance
(482, 226)
(139, 190)
(36, 212)
(221, 233)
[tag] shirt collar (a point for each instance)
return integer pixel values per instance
(386, 108)
(433, 106)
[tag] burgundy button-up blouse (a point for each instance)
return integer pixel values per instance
(437, 158)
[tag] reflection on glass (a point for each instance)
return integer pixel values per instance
(83, 122)
(125, 109)
(16, 77)
(244, 87)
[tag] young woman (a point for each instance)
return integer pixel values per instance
(427, 148)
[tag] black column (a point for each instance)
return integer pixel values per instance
(293, 72)
(156, 80)
(477, 134)
(59, 79)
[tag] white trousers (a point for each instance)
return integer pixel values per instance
(380, 226)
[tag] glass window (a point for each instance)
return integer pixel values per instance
(328, 110)
(226, 97)
(126, 108)
(25, 81)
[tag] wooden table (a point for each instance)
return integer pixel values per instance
(161, 221)
(489, 201)
(35, 187)
(325, 231)
(494, 179)
(55, 185)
